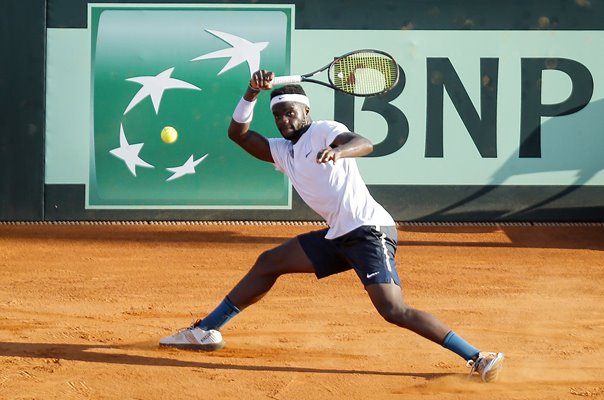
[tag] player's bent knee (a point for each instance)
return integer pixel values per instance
(395, 314)
(270, 262)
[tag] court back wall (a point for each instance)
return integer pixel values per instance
(451, 176)
(22, 40)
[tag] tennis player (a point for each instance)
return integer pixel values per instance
(318, 157)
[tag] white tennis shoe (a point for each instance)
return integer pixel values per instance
(488, 365)
(193, 338)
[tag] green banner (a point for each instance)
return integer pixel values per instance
(183, 67)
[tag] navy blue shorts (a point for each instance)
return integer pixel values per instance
(369, 250)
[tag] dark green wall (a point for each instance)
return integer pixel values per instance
(23, 195)
(395, 14)
(22, 64)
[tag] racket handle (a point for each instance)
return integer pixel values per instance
(284, 80)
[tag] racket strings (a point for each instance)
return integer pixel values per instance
(364, 73)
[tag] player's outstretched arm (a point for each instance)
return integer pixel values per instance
(239, 129)
(348, 144)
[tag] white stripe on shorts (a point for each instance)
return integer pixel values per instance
(385, 249)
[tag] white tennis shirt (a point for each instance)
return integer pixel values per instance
(335, 192)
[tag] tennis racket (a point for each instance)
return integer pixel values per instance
(359, 73)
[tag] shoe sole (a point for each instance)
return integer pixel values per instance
(197, 347)
(493, 368)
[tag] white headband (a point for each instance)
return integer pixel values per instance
(282, 98)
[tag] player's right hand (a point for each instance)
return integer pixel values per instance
(328, 154)
(262, 80)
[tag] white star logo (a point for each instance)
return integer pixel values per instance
(242, 51)
(187, 168)
(155, 86)
(129, 153)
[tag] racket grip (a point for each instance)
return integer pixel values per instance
(284, 80)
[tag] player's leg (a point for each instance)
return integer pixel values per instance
(287, 258)
(270, 265)
(387, 298)
(372, 250)
(306, 253)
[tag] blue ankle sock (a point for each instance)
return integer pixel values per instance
(459, 346)
(218, 318)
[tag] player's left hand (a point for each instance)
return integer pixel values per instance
(328, 154)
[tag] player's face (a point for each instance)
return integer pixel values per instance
(291, 119)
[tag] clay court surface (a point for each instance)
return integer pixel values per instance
(82, 308)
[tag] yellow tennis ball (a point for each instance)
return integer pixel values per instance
(169, 134)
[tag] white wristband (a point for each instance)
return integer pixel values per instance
(244, 111)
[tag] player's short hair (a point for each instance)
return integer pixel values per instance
(288, 89)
